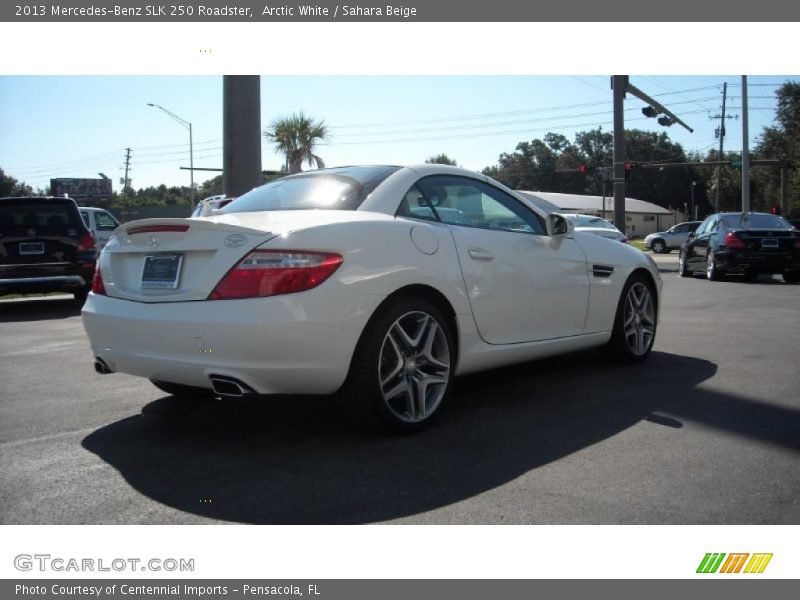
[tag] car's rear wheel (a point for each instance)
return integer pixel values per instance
(791, 276)
(713, 272)
(402, 368)
(659, 247)
(635, 322)
(184, 392)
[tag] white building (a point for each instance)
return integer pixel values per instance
(641, 218)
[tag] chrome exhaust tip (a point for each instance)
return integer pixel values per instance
(228, 387)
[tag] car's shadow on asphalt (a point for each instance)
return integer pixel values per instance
(294, 460)
(39, 309)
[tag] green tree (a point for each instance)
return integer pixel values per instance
(11, 187)
(296, 137)
(441, 159)
(781, 141)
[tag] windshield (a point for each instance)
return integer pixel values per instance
(589, 221)
(343, 188)
(755, 221)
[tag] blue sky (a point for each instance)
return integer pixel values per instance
(77, 126)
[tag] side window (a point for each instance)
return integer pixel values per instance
(105, 222)
(713, 226)
(85, 217)
(464, 201)
(414, 204)
(704, 226)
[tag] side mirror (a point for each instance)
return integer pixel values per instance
(558, 225)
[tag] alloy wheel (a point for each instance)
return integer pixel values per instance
(639, 319)
(414, 367)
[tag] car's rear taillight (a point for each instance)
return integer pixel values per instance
(733, 241)
(97, 282)
(274, 272)
(86, 242)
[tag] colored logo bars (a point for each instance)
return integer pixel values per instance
(734, 563)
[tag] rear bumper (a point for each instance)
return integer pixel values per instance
(293, 344)
(758, 262)
(43, 285)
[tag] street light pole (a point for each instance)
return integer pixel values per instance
(694, 209)
(188, 125)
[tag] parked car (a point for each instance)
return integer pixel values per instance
(381, 282)
(742, 243)
(596, 226)
(44, 247)
(663, 242)
(100, 222)
(206, 205)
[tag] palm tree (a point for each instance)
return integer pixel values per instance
(296, 137)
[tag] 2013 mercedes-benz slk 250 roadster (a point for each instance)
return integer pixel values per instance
(378, 282)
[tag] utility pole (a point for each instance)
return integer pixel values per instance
(620, 83)
(241, 132)
(127, 167)
(745, 150)
(721, 145)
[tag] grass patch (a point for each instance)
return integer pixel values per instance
(638, 244)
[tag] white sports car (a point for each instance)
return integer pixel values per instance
(379, 282)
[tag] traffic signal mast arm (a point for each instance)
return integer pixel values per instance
(632, 89)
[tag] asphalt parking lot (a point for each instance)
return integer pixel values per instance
(706, 431)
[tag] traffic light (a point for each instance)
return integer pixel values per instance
(649, 111)
(775, 210)
(628, 171)
(582, 169)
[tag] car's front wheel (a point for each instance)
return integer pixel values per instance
(683, 268)
(634, 323)
(402, 368)
(659, 247)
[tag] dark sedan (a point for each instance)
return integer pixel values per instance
(44, 247)
(742, 243)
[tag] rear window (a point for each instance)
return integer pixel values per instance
(589, 221)
(755, 221)
(343, 188)
(44, 217)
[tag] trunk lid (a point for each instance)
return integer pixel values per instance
(207, 247)
(767, 240)
(173, 260)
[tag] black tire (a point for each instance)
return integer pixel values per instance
(635, 318)
(713, 272)
(659, 247)
(80, 296)
(791, 276)
(683, 268)
(184, 392)
(407, 344)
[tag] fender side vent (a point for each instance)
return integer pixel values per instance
(602, 271)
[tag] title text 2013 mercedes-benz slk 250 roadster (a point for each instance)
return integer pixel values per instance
(379, 282)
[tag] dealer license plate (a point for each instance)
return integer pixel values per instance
(162, 271)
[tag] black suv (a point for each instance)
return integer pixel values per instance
(743, 243)
(44, 247)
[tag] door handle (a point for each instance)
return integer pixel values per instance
(475, 254)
